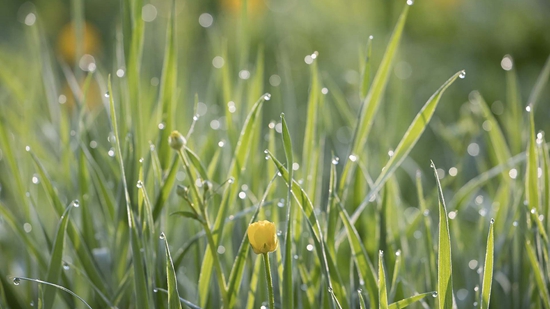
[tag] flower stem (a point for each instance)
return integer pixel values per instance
(269, 281)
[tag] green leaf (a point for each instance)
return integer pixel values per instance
(166, 188)
(407, 301)
(382, 288)
(444, 264)
(187, 214)
(488, 268)
(56, 261)
(407, 143)
(538, 274)
(365, 78)
(539, 85)
(288, 291)
(362, 304)
(238, 164)
(172, 283)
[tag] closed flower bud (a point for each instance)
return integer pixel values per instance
(263, 237)
(182, 190)
(176, 140)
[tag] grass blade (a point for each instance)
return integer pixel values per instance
(172, 283)
(365, 77)
(538, 274)
(444, 263)
(288, 291)
(407, 301)
(382, 288)
(541, 81)
(488, 268)
(56, 261)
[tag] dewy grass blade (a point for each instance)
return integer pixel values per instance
(374, 96)
(186, 302)
(56, 261)
(172, 283)
(406, 144)
(538, 274)
(444, 263)
(539, 85)
(238, 164)
(18, 279)
(382, 288)
(488, 268)
(142, 292)
(365, 77)
(288, 291)
(407, 301)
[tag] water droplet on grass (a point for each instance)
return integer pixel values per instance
(434, 294)
(76, 203)
(162, 236)
(462, 74)
(16, 281)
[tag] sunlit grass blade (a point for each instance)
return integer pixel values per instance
(195, 160)
(185, 301)
(311, 123)
(382, 288)
(364, 265)
(396, 269)
(362, 304)
(374, 96)
(288, 291)
(56, 260)
(140, 280)
(49, 284)
(166, 188)
(366, 71)
(539, 85)
(428, 229)
(538, 274)
(444, 263)
(407, 301)
(408, 141)
(488, 268)
(237, 166)
(168, 89)
(172, 283)
(254, 282)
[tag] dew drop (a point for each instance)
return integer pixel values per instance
(107, 94)
(398, 253)
(330, 289)
(462, 74)
(139, 184)
(426, 213)
(492, 220)
(335, 160)
(352, 157)
(76, 203)
(267, 96)
(434, 294)
(231, 180)
(279, 233)
(16, 281)
(410, 2)
(161, 126)
(296, 256)
(162, 236)
(141, 160)
(528, 108)
(32, 304)
(515, 223)
(309, 247)
(380, 252)
(111, 152)
(266, 151)
(267, 157)
(196, 117)
(65, 265)
(27, 148)
(155, 290)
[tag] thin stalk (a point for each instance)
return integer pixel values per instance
(269, 281)
(206, 225)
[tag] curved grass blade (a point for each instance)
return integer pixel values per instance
(365, 77)
(444, 264)
(407, 301)
(396, 268)
(288, 291)
(172, 283)
(538, 274)
(140, 278)
(488, 268)
(310, 129)
(196, 163)
(406, 144)
(541, 81)
(49, 284)
(56, 261)
(514, 117)
(186, 302)
(362, 304)
(382, 288)
(374, 96)
(238, 164)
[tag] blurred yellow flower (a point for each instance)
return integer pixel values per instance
(235, 6)
(263, 236)
(66, 42)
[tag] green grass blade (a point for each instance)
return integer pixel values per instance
(166, 188)
(56, 286)
(538, 274)
(185, 301)
(196, 163)
(362, 304)
(374, 96)
(408, 141)
(488, 268)
(311, 123)
(407, 301)
(254, 283)
(168, 89)
(238, 164)
(539, 85)
(361, 258)
(444, 264)
(140, 279)
(288, 291)
(56, 261)
(382, 288)
(172, 283)
(365, 77)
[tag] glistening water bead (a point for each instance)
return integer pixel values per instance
(76, 203)
(162, 236)
(462, 74)
(16, 281)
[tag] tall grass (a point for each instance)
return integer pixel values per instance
(97, 210)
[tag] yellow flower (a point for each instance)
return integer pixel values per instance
(263, 237)
(176, 140)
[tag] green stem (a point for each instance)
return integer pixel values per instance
(269, 281)
(207, 230)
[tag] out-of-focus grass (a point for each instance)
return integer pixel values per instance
(95, 203)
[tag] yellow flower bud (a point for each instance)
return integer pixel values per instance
(263, 237)
(176, 140)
